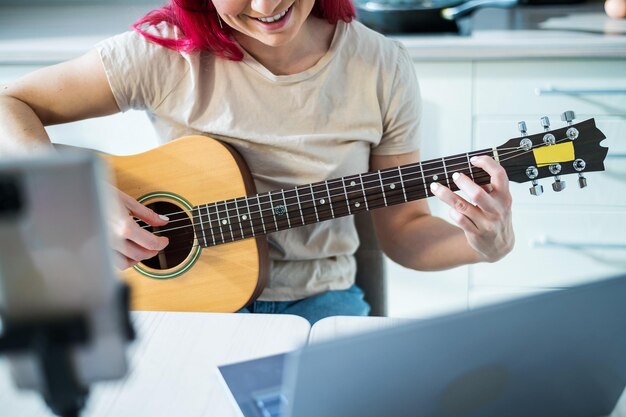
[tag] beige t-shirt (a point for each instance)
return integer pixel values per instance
(361, 97)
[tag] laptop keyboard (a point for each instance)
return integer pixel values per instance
(270, 404)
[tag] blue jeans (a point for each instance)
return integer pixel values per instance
(348, 302)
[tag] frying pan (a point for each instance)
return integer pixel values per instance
(410, 16)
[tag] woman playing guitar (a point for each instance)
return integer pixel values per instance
(304, 93)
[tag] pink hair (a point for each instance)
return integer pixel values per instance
(198, 22)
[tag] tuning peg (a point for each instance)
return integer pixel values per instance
(536, 189)
(558, 185)
(580, 165)
(555, 169)
(568, 116)
(521, 126)
(548, 138)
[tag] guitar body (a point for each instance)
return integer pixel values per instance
(173, 179)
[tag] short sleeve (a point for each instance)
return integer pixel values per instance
(402, 114)
(141, 73)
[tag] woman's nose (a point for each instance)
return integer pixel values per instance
(265, 7)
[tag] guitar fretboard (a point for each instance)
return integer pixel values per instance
(245, 217)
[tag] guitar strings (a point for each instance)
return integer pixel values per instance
(375, 203)
(231, 236)
(367, 176)
(322, 211)
(405, 177)
(322, 208)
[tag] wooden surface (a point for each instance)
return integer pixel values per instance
(173, 365)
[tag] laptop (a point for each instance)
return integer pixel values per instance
(561, 353)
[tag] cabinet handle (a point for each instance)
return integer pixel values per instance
(616, 156)
(554, 91)
(543, 242)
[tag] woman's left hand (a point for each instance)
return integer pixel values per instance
(487, 223)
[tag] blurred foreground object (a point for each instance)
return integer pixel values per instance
(615, 8)
(64, 313)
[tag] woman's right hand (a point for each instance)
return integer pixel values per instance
(133, 243)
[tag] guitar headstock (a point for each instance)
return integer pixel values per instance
(573, 149)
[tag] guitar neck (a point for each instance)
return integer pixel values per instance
(241, 218)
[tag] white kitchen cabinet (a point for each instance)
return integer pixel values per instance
(558, 246)
(563, 238)
(550, 86)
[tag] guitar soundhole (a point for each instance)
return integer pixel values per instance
(179, 230)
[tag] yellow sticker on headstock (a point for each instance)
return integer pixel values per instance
(546, 155)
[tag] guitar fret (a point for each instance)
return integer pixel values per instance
(424, 179)
(286, 209)
(208, 214)
(402, 184)
(239, 220)
(258, 202)
(364, 195)
(496, 156)
(382, 187)
(230, 226)
(197, 226)
(445, 171)
(250, 217)
(345, 191)
(300, 206)
(219, 222)
(273, 210)
(201, 226)
(317, 217)
(330, 200)
(469, 164)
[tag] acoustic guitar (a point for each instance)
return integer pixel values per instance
(217, 259)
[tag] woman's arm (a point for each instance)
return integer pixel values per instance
(414, 238)
(63, 93)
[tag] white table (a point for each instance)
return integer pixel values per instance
(173, 365)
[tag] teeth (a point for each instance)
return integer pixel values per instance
(273, 18)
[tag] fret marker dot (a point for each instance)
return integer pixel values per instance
(352, 183)
(224, 221)
(435, 177)
(322, 201)
(244, 217)
(357, 204)
(392, 186)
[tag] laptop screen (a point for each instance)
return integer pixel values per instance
(556, 354)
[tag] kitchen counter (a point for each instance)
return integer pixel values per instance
(45, 35)
(580, 31)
